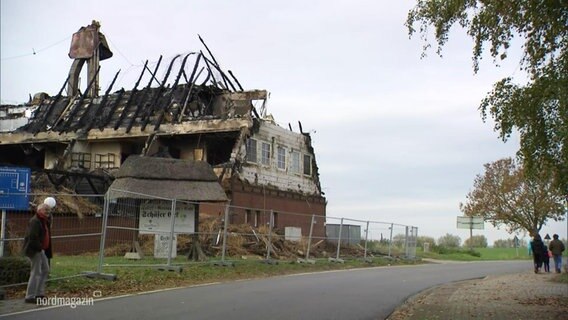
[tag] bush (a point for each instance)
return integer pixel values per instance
(14, 270)
(451, 250)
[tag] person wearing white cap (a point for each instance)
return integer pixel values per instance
(37, 247)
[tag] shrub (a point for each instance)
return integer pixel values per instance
(14, 270)
(450, 250)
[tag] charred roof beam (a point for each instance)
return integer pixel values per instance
(101, 105)
(226, 80)
(106, 119)
(174, 86)
(131, 97)
(210, 72)
(78, 106)
(237, 81)
(142, 101)
(150, 109)
(50, 108)
(190, 83)
(217, 66)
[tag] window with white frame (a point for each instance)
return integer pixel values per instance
(294, 162)
(281, 156)
(307, 164)
(265, 154)
(251, 150)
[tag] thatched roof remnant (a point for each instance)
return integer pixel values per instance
(152, 177)
(153, 168)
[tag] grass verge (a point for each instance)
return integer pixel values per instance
(139, 276)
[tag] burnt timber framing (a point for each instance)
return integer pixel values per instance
(207, 116)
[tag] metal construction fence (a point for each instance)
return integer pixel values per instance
(76, 229)
(142, 230)
(93, 234)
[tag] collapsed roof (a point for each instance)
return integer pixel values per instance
(194, 87)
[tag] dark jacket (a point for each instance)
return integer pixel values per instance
(537, 247)
(556, 247)
(34, 238)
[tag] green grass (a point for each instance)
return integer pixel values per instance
(485, 254)
(138, 278)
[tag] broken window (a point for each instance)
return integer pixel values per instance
(257, 218)
(281, 152)
(265, 155)
(275, 219)
(251, 150)
(81, 160)
(307, 165)
(105, 161)
(248, 216)
(219, 148)
(295, 162)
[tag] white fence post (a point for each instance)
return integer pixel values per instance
(366, 239)
(270, 224)
(310, 237)
(390, 238)
(339, 239)
(172, 227)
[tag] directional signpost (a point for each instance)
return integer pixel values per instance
(465, 222)
(14, 194)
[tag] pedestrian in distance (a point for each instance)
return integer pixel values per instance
(537, 247)
(37, 247)
(556, 248)
(546, 259)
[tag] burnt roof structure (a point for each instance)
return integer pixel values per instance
(193, 88)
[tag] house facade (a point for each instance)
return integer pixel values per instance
(188, 114)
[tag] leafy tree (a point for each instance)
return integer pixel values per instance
(398, 240)
(420, 240)
(449, 241)
(505, 196)
(538, 110)
(508, 243)
(479, 241)
(503, 243)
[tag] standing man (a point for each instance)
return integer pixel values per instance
(37, 247)
(556, 247)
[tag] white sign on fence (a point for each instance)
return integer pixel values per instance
(473, 222)
(293, 234)
(155, 217)
(161, 246)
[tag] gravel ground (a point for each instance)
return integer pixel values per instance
(513, 296)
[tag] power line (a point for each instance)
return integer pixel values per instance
(35, 52)
(120, 52)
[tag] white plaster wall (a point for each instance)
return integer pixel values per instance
(256, 173)
(104, 148)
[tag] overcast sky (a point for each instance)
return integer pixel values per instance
(397, 138)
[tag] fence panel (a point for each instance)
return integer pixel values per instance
(76, 228)
(141, 231)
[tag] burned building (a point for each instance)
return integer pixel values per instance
(194, 111)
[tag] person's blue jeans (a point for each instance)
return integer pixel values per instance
(557, 262)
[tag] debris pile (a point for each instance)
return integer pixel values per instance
(68, 201)
(247, 242)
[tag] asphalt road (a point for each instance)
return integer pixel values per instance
(371, 293)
